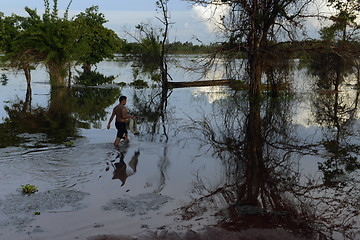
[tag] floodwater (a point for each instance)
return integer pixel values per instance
(215, 163)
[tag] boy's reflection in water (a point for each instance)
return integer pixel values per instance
(120, 167)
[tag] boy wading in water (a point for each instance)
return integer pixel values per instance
(120, 112)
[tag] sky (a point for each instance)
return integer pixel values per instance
(189, 22)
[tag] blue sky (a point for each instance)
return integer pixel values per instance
(121, 5)
(123, 15)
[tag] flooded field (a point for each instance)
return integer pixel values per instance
(215, 163)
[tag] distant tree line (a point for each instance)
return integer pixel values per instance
(190, 48)
(176, 47)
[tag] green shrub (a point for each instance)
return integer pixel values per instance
(28, 189)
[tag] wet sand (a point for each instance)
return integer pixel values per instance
(209, 233)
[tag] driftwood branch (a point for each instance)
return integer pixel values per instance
(223, 82)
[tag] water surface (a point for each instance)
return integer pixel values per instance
(216, 158)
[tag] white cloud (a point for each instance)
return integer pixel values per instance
(211, 15)
(188, 25)
(185, 27)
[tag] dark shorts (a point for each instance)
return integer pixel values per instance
(121, 127)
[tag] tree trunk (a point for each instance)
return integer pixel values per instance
(255, 73)
(254, 153)
(256, 41)
(57, 80)
(27, 104)
(57, 74)
(86, 67)
(69, 75)
(27, 72)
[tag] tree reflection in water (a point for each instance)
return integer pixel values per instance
(336, 112)
(55, 121)
(265, 187)
(151, 111)
(67, 110)
(92, 100)
(334, 108)
(91, 103)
